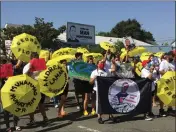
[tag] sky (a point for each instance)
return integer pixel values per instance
(156, 17)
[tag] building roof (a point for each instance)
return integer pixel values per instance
(112, 40)
(173, 44)
(12, 25)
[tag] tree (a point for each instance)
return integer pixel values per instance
(106, 34)
(165, 44)
(131, 28)
(44, 31)
(62, 29)
(119, 45)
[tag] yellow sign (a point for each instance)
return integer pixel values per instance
(96, 57)
(23, 45)
(64, 51)
(145, 56)
(20, 95)
(166, 88)
(82, 50)
(53, 80)
(68, 58)
(159, 54)
(108, 46)
(44, 54)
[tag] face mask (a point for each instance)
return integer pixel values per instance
(101, 66)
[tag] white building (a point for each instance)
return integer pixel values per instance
(173, 45)
(99, 39)
(12, 25)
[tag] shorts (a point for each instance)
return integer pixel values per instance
(82, 87)
(93, 96)
(65, 90)
(155, 91)
(42, 100)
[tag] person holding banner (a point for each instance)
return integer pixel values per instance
(88, 88)
(108, 60)
(147, 72)
(78, 84)
(34, 75)
(63, 96)
(100, 71)
(6, 113)
(154, 61)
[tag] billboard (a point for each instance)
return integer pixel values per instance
(80, 33)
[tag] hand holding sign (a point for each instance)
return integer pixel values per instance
(38, 64)
(6, 70)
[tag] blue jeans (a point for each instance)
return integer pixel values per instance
(56, 100)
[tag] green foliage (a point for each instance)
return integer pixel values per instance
(165, 44)
(95, 49)
(44, 31)
(119, 45)
(132, 28)
(106, 34)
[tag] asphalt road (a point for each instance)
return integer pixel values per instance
(76, 122)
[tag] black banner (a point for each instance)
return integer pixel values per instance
(126, 96)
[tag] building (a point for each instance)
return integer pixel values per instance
(12, 25)
(98, 39)
(173, 44)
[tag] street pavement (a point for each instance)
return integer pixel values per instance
(76, 122)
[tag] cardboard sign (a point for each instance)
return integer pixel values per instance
(38, 64)
(6, 70)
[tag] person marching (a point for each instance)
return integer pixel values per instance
(35, 75)
(63, 96)
(100, 71)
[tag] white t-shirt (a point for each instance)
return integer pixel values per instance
(34, 74)
(144, 74)
(96, 73)
(156, 76)
(107, 66)
(165, 65)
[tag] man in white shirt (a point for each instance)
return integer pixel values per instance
(99, 72)
(147, 73)
(166, 65)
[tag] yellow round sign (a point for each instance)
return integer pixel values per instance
(20, 95)
(53, 80)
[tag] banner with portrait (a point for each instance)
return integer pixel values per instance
(80, 33)
(117, 95)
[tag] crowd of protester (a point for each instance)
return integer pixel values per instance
(111, 65)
